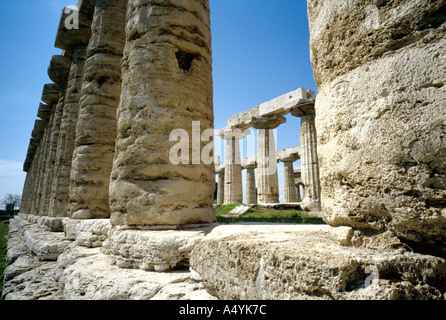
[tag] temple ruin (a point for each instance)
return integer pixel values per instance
(107, 215)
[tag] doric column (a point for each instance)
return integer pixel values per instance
(58, 71)
(267, 175)
(309, 157)
(233, 164)
(250, 186)
(220, 171)
(65, 145)
(45, 114)
(96, 125)
(298, 183)
(288, 156)
(73, 42)
(166, 85)
(29, 168)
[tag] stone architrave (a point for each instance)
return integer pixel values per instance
(166, 85)
(96, 125)
(267, 175)
(309, 158)
(381, 116)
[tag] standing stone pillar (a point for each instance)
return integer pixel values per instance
(309, 157)
(38, 135)
(65, 145)
(58, 71)
(28, 167)
(73, 42)
(220, 171)
(96, 125)
(298, 183)
(233, 165)
(45, 113)
(251, 190)
(290, 190)
(267, 175)
(166, 85)
(250, 186)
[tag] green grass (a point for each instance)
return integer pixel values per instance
(260, 214)
(4, 229)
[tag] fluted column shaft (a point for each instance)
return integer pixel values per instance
(233, 170)
(251, 192)
(166, 86)
(310, 164)
(96, 125)
(267, 175)
(65, 146)
(290, 192)
(221, 188)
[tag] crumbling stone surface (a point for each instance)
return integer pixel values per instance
(380, 116)
(166, 85)
(283, 262)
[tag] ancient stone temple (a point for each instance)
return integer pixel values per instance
(108, 214)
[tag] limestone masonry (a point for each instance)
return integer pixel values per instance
(107, 215)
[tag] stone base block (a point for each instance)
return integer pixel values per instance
(97, 278)
(47, 223)
(158, 250)
(46, 245)
(283, 262)
(87, 233)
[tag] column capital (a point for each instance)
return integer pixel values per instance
(69, 37)
(249, 163)
(50, 93)
(270, 122)
(303, 109)
(44, 112)
(229, 133)
(59, 69)
(289, 155)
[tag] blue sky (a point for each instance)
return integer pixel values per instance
(260, 51)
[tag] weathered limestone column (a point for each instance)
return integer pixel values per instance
(267, 175)
(60, 189)
(298, 183)
(72, 41)
(37, 134)
(45, 113)
(250, 186)
(251, 191)
(96, 125)
(290, 190)
(220, 171)
(309, 158)
(166, 85)
(58, 71)
(381, 116)
(233, 164)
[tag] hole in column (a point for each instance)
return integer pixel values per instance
(185, 59)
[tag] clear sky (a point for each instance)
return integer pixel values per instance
(260, 51)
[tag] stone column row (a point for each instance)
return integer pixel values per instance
(267, 176)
